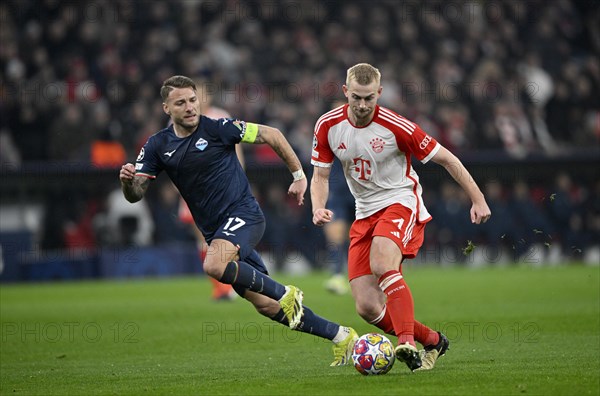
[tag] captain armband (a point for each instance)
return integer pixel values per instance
(250, 133)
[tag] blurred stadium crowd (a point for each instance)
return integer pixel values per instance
(80, 79)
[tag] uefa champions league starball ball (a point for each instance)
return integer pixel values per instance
(373, 354)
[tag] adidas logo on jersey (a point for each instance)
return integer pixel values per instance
(342, 146)
(395, 233)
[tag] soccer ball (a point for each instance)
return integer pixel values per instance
(373, 354)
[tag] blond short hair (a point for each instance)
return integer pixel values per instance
(363, 73)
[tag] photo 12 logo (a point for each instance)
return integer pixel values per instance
(53, 332)
(493, 332)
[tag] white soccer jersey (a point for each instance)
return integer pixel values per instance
(375, 158)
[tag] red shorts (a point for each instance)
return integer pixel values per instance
(395, 222)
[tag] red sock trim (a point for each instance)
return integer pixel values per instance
(384, 322)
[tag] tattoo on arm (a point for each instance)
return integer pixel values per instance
(259, 137)
(279, 151)
(274, 138)
(135, 190)
(275, 143)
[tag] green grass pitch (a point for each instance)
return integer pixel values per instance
(512, 330)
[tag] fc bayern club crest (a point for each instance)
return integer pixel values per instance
(377, 145)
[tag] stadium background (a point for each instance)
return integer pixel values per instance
(510, 87)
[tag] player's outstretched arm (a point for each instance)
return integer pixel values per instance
(319, 192)
(133, 187)
(480, 212)
(274, 138)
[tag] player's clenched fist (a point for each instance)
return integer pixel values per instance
(322, 216)
(127, 173)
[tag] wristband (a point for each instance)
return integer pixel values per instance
(298, 175)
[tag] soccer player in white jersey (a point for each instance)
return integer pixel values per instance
(375, 146)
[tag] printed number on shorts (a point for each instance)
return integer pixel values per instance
(233, 224)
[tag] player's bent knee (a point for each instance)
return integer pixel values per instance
(213, 269)
(368, 310)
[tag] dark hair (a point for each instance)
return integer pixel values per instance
(175, 82)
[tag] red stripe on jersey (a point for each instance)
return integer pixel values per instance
(395, 122)
(322, 127)
(416, 141)
(337, 112)
(415, 183)
(394, 114)
(393, 117)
